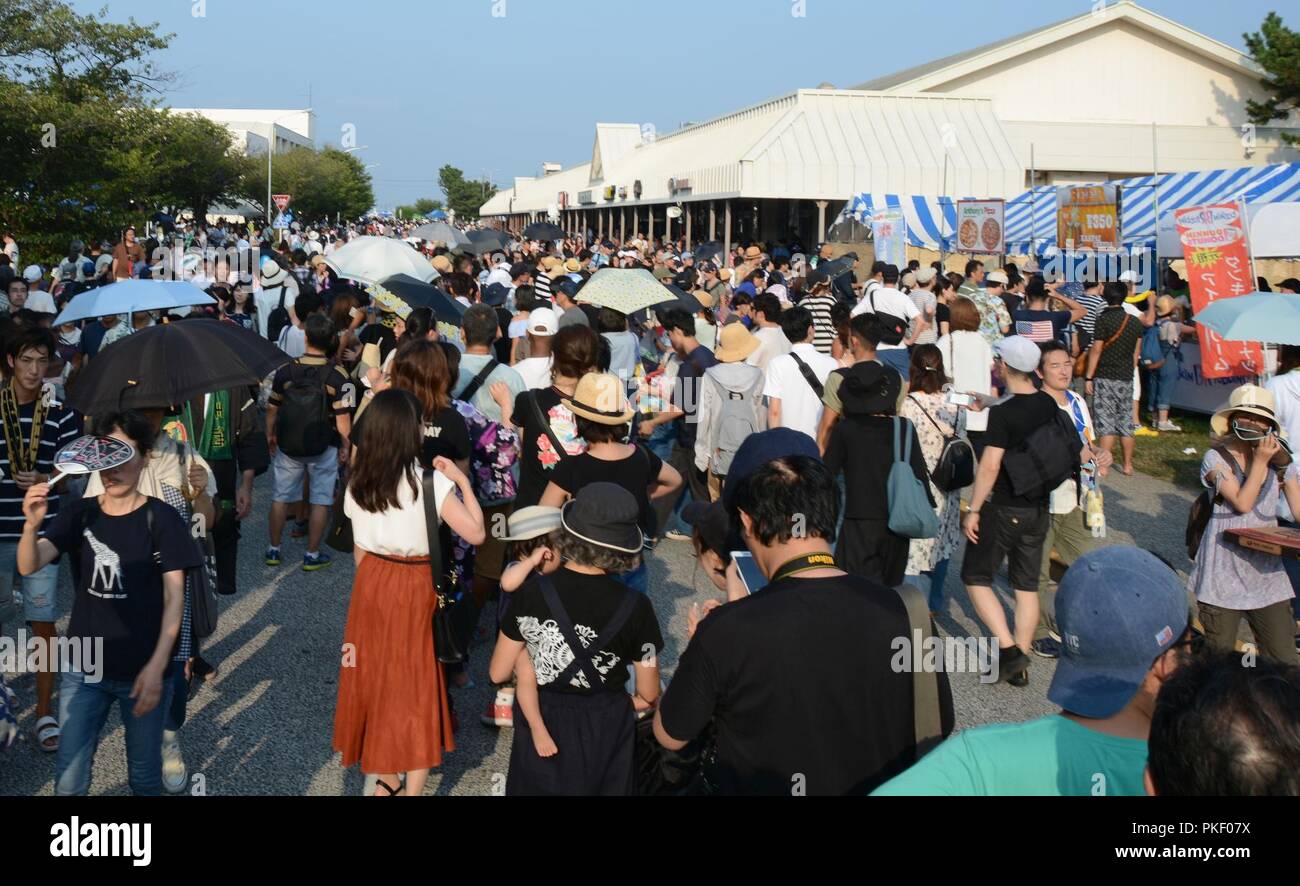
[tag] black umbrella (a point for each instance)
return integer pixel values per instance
(425, 295)
(488, 240)
(167, 365)
(543, 231)
(685, 301)
(706, 251)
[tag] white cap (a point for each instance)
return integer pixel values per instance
(542, 321)
(999, 277)
(1130, 277)
(1019, 353)
(925, 274)
(33, 273)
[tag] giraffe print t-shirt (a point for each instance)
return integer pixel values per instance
(120, 595)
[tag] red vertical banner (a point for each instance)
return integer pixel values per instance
(1217, 253)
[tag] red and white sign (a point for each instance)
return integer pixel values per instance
(281, 200)
(1217, 252)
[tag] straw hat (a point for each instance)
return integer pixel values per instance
(1165, 305)
(442, 264)
(1250, 399)
(573, 266)
(753, 252)
(601, 397)
(735, 343)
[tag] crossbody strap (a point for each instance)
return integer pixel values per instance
(1114, 338)
(583, 655)
(544, 423)
(927, 724)
(431, 529)
(817, 387)
(478, 381)
(927, 414)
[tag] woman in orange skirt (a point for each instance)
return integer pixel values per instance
(392, 713)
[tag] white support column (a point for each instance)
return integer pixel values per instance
(650, 214)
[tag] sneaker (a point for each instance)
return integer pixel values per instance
(1168, 426)
(1046, 647)
(500, 710)
(676, 535)
(1144, 431)
(298, 529)
(312, 562)
(1013, 666)
(175, 777)
(272, 556)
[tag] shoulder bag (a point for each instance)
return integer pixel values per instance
(454, 614)
(910, 512)
(956, 466)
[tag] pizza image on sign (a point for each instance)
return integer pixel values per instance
(991, 234)
(968, 235)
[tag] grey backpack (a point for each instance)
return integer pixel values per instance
(735, 421)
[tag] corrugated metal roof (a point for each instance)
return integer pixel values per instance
(811, 144)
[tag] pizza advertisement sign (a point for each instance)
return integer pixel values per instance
(1087, 217)
(1217, 252)
(981, 226)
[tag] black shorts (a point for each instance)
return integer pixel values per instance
(1014, 534)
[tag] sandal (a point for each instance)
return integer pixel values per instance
(46, 730)
(392, 791)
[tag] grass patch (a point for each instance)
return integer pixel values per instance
(1163, 456)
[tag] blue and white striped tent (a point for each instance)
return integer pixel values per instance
(925, 216)
(1031, 217)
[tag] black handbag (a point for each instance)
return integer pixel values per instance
(956, 466)
(340, 535)
(454, 612)
(202, 579)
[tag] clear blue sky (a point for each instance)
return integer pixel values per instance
(428, 82)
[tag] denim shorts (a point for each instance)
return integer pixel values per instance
(322, 471)
(39, 591)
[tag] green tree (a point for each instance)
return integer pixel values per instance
(464, 197)
(420, 208)
(1276, 49)
(323, 184)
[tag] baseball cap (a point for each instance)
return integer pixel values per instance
(925, 274)
(567, 285)
(1118, 609)
(496, 295)
(762, 448)
(542, 321)
(1019, 353)
(996, 277)
(687, 256)
(1130, 277)
(32, 273)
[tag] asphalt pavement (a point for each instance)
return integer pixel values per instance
(264, 725)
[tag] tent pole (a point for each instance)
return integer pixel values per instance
(1155, 192)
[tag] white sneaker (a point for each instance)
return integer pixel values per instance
(175, 776)
(1168, 426)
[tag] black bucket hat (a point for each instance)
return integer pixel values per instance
(870, 388)
(605, 515)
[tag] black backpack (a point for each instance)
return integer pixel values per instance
(278, 319)
(304, 424)
(892, 329)
(1045, 459)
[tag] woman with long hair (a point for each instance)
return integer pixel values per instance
(547, 429)
(393, 715)
(935, 420)
(242, 309)
(420, 366)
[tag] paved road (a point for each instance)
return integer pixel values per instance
(264, 726)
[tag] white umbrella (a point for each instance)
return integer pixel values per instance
(128, 296)
(441, 232)
(372, 260)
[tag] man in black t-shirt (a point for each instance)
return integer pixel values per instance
(1001, 525)
(796, 678)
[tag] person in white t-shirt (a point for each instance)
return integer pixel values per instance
(767, 329)
(793, 401)
(888, 299)
(968, 361)
(275, 281)
(1131, 279)
(536, 369)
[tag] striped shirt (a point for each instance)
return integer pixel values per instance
(927, 304)
(542, 285)
(823, 329)
(1095, 305)
(60, 429)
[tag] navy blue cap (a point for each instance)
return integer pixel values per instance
(1118, 609)
(761, 449)
(495, 294)
(567, 285)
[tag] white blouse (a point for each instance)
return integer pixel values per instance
(397, 532)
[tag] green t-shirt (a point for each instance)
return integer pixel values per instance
(1049, 757)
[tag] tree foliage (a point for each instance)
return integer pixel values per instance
(1276, 49)
(464, 197)
(324, 184)
(420, 208)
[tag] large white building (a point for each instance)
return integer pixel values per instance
(1112, 93)
(254, 129)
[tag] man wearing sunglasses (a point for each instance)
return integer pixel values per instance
(1124, 623)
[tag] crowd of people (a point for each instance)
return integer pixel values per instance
(828, 436)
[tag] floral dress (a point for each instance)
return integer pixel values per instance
(494, 449)
(919, 408)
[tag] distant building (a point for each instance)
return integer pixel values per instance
(253, 129)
